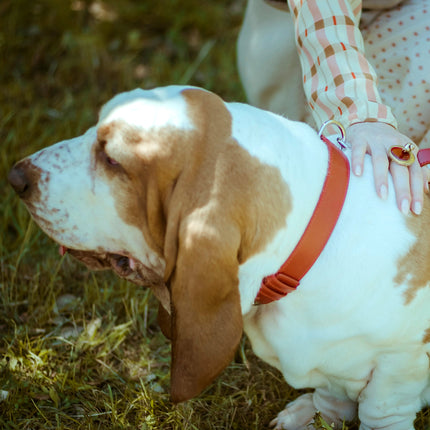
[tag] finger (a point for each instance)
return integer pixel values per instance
(426, 177)
(400, 176)
(416, 176)
(358, 151)
(380, 170)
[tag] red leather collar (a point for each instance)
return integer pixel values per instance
(317, 232)
(319, 229)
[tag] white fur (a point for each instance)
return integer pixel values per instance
(347, 324)
(162, 107)
(346, 331)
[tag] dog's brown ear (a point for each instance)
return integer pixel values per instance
(278, 4)
(164, 321)
(206, 324)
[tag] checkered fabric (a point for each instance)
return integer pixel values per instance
(338, 80)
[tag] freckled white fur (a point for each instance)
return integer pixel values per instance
(346, 331)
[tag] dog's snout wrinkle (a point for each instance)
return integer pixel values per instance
(19, 180)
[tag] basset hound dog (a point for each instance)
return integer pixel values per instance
(201, 200)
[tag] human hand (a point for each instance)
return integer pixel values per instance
(375, 138)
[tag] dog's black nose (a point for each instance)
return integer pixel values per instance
(19, 180)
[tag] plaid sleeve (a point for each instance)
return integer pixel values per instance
(339, 82)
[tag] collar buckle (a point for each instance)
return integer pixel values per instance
(341, 140)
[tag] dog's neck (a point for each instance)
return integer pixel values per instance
(317, 233)
(302, 160)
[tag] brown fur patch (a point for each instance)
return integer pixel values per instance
(415, 265)
(130, 134)
(249, 192)
(426, 338)
(131, 181)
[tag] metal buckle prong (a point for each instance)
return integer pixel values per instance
(340, 140)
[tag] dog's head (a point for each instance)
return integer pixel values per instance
(155, 192)
(135, 194)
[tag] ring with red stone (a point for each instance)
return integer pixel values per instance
(403, 155)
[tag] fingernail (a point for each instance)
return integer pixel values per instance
(418, 207)
(383, 191)
(405, 206)
(357, 170)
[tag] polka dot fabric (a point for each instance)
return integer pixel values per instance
(397, 44)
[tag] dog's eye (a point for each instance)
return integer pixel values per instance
(111, 161)
(102, 154)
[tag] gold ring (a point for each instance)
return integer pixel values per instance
(403, 155)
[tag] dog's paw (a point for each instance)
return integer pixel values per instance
(298, 415)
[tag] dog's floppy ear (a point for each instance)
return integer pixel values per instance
(206, 322)
(164, 321)
(201, 248)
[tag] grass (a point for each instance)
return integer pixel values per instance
(81, 350)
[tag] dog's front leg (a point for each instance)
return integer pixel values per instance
(301, 412)
(391, 399)
(297, 415)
